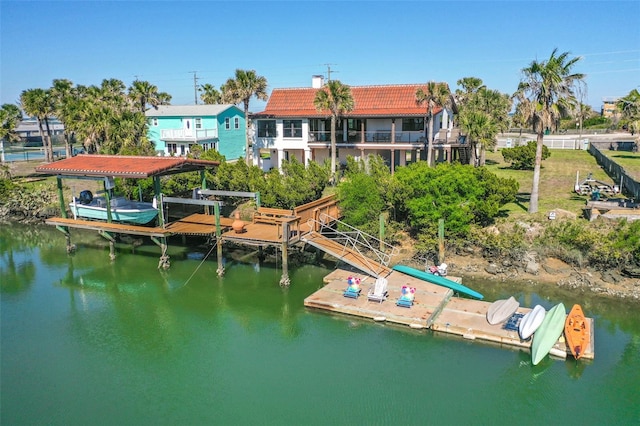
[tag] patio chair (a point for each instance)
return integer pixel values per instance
(406, 297)
(378, 291)
(353, 288)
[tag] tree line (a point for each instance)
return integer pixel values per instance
(110, 119)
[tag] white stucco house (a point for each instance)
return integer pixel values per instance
(386, 120)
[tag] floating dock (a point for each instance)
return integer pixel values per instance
(434, 308)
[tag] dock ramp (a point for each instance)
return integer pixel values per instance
(350, 245)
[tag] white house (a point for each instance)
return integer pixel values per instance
(386, 120)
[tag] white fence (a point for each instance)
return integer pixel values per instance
(550, 142)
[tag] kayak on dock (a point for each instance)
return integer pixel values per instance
(438, 280)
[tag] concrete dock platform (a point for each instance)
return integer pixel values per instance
(434, 307)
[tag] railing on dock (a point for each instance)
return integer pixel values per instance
(355, 242)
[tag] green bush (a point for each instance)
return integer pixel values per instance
(523, 157)
(461, 195)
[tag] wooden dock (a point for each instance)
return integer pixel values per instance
(434, 307)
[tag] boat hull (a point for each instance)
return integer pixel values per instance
(123, 211)
(436, 279)
(500, 310)
(548, 333)
(531, 321)
(577, 331)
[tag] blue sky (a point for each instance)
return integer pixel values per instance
(365, 43)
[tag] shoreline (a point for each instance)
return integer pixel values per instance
(551, 271)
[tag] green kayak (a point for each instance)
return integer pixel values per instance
(548, 333)
(436, 279)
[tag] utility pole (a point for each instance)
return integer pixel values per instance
(329, 72)
(195, 87)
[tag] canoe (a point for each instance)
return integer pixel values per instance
(500, 310)
(548, 333)
(577, 331)
(438, 280)
(531, 321)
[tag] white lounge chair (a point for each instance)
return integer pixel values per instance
(378, 291)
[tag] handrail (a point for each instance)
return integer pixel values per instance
(356, 240)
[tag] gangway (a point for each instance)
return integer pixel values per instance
(353, 246)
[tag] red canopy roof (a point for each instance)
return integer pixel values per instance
(124, 166)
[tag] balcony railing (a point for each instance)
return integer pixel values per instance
(189, 135)
(374, 136)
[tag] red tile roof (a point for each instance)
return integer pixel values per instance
(369, 101)
(123, 166)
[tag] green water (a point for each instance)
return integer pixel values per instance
(86, 341)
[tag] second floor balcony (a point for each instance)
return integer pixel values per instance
(383, 137)
(195, 135)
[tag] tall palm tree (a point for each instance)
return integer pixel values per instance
(436, 95)
(210, 95)
(64, 96)
(470, 85)
(549, 86)
(336, 98)
(246, 85)
(37, 103)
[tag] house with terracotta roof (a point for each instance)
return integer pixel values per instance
(175, 128)
(385, 120)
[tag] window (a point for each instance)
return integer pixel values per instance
(227, 123)
(412, 124)
(198, 123)
(292, 128)
(236, 123)
(266, 128)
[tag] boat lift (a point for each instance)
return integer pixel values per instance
(594, 188)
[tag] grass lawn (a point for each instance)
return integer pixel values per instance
(557, 180)
(629, 161)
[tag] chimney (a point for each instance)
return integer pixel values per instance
(317, 81)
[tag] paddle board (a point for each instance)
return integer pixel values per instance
(500, 310)
(577, 331)
(436, 279)
(531, 321)
(548, 333)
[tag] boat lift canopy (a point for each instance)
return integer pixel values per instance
(121, 166)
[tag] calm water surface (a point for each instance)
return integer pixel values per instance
(87, 341)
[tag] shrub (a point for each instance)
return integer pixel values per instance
(523, 157)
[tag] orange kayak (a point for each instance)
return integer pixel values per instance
(577, 332)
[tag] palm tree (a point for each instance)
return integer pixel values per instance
(549, 86)
(64, 97)
(210, 95)
(436, 95)
(10, 116)
(336, 98)
(480, 129)
(143, 93)
(522, 117)
(470, 85)
(37, 103)
(246, 85)
(497, 106)
(629, 106)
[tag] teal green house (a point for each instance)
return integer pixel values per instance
(174, 129)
